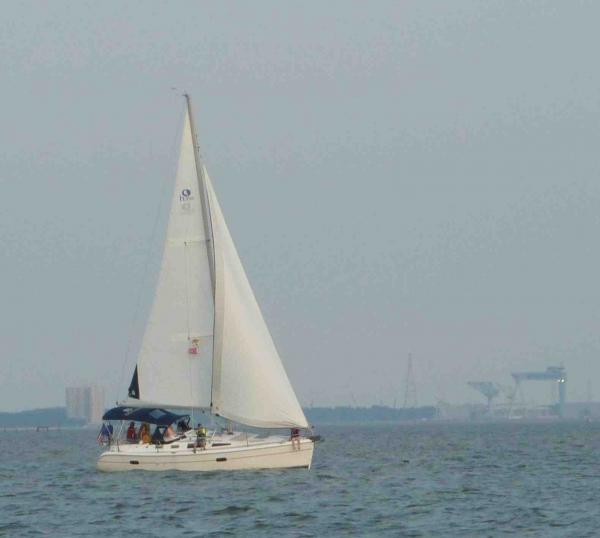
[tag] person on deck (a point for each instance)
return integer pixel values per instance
(295, 438)
(183, 426)
(131, 433)
(144, 435)
(201, 436)
(169, 435)
(157, 436)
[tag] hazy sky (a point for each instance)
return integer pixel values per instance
(398, 177)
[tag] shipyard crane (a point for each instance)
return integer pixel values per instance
(488, 388)
(557, 374)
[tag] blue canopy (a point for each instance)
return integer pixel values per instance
(161, 417)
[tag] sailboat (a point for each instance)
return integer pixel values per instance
(206, 346)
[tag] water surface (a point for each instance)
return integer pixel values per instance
(369, 480)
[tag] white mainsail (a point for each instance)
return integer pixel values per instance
(242, 378)
(182, 315)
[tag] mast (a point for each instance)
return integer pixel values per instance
(210, 241)
(206, 217)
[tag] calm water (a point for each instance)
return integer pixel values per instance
(411, 480)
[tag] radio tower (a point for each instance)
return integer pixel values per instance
(410, 390)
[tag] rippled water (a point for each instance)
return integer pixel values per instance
(401, 480)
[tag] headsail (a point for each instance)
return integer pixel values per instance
(174, 367)
(250, 385)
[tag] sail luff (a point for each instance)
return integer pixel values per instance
(206, 218)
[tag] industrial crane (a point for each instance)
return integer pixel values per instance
(488, 388)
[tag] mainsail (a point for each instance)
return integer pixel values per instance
(206, 343)
(182, 315)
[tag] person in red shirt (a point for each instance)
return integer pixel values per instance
(131, 434)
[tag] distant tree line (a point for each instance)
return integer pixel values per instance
(51, 416)
(57, 416)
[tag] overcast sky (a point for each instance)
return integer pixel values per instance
(398, 177)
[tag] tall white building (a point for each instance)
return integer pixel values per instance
(76, 402)
(85, 402)
(96, 405)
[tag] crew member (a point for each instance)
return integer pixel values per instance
(169, 435)
(295, 438)
(201, 436)
(131, 433)
(144, 435)
(157, 436)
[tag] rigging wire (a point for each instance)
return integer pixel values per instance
(187, 311)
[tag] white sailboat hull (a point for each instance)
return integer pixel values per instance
(268, 455)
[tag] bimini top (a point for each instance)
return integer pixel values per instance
(156, 416)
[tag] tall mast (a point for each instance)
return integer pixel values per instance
(206, 217)
(210, 241)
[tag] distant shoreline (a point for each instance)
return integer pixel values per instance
(49, 417)
(56, 417)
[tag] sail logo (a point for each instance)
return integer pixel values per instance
(185, 198)
(186, 195)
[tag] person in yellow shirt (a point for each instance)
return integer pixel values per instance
(201, 436)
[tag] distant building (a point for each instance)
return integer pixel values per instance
(96, 400)
(76, 402)
(85, 403)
